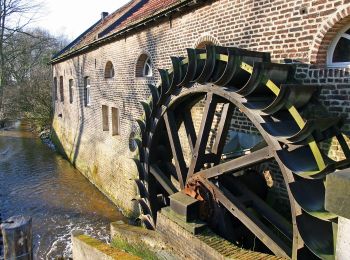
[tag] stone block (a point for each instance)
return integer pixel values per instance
(185, 206)
(194, 227)
(88, 248)
(205, 245)
(343, 239)
(338, 193)
(136, 234)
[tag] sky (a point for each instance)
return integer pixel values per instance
(72, 17)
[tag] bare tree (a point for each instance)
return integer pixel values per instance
(28, 83)
(15, 15)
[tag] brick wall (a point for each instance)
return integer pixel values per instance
(295, 30)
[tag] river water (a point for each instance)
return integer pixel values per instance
(37, 182)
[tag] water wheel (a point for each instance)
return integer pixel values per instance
(227, 82)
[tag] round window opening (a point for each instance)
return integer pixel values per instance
(132, 142)
(339, 50)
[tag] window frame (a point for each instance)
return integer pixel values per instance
(87, 91)
(71, 90)
(61, 89)
(105, 118)
(333, 45)
(55, 86)
(115, 113)
(147, 64)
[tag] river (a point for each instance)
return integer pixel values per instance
(35, 181)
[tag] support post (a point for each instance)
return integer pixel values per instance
(17, 238)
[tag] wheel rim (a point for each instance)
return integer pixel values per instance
(214, 70)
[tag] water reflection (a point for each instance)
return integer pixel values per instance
(35, 181)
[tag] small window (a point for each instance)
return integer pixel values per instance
(144, 66)
(61, 89)
(115, 121)
(109, 70)
(87, 91)
(132, 142)
(71, 91)
(339, 50)
(105, 124)
(55, 91)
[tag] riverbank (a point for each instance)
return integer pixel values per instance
(45, 137)
(43, 132)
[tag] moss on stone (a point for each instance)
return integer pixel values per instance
(141, 249)
(106, 249)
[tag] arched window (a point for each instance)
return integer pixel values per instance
(144, 66)
(109, 70)
(205, 39)
(202, 45)
(339, 51)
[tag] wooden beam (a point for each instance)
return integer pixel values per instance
(221, 134)
(162, 179)
(190, 130)
(237, 164)
(262, 207)
(251, 221)
(17, 237)
(176, 149)
(203, 134)
(344, 146)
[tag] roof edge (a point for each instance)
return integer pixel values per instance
(76, 40)
(99, 42)
(122, 18)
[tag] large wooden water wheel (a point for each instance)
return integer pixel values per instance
(226, 81)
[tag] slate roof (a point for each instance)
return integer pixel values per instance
(128, 15)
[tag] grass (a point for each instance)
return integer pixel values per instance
(140, 249)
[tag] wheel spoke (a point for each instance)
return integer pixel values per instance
(344, 146)
(176, 149)
(239, 163)
(190, 131)
(162, 179)
(261, 206)
(223, 128)
(251, 221)
(203, 134)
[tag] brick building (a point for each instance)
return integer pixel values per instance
(142, 35)
(99, 79)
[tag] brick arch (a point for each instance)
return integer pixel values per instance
(326, 33)
(109, 70)
(139, 61)
(206, 39)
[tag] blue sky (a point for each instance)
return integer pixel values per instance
(72, 17)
